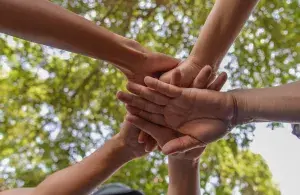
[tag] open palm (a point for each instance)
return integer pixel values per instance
(184, 110)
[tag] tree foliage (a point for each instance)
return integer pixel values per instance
(57, 107)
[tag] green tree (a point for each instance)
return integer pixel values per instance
(57, 107)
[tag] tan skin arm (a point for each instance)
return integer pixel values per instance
(97, 168)
(83, 177)
(280, 104)
(184, 177)
(19, 191)
(208, 115)
(220, 30)
(74, 181)
(46, 23)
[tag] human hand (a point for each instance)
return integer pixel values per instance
(162, 135)
(153, 65)
(189, 69)
(204, 77)
(128, 135)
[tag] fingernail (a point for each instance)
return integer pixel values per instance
(128, 116)
(172, 153)
(147, 149)
(129, 120)
(141, 141)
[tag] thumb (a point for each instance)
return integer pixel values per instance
(162, 63)
(181, 144)
(168, 77)
(188, 74)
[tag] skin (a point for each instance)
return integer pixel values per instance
(41, 25)
(207, 115)
(121, 149)
(184, 176)
(221, 28)
(99, 166)
(184, 167)
(150, 105)
(216, 36)
(49, 24)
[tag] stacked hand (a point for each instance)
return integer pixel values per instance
(156, 63)
(170, 115)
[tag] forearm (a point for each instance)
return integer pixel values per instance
(184, 177)
(279, 104)
(46, 23)
(83, 177)
(220, 30)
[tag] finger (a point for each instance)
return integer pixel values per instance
(176, 78)
(164, 65)
(163, 88)
(161, 134)
(196, 152)
(166, 77)
(205, 130)
(159, 148)
(154, 118)
(147, 93)
(150, 144)
(181, 144)
(142, 137)
(139, 102)
(219, 82)
(202, 78)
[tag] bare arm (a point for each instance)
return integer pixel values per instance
(218, 33)
(84, 176)
(220, 30)
(207, 115)
(222, 26)
(184, 177)
(19, 191)
(46, 23)
(269, 104)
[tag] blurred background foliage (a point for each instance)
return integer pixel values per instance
(57, 107)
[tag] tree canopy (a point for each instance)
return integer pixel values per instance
(57, 107)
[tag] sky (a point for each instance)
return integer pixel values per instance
(281, 150)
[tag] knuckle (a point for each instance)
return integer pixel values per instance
(181, 143)
(139, 90)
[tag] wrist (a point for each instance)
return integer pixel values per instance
(183, 163)
(242, 113)
(122, 149)
(184, 176)
(199, 62)
(130, 57)
(195, 62)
